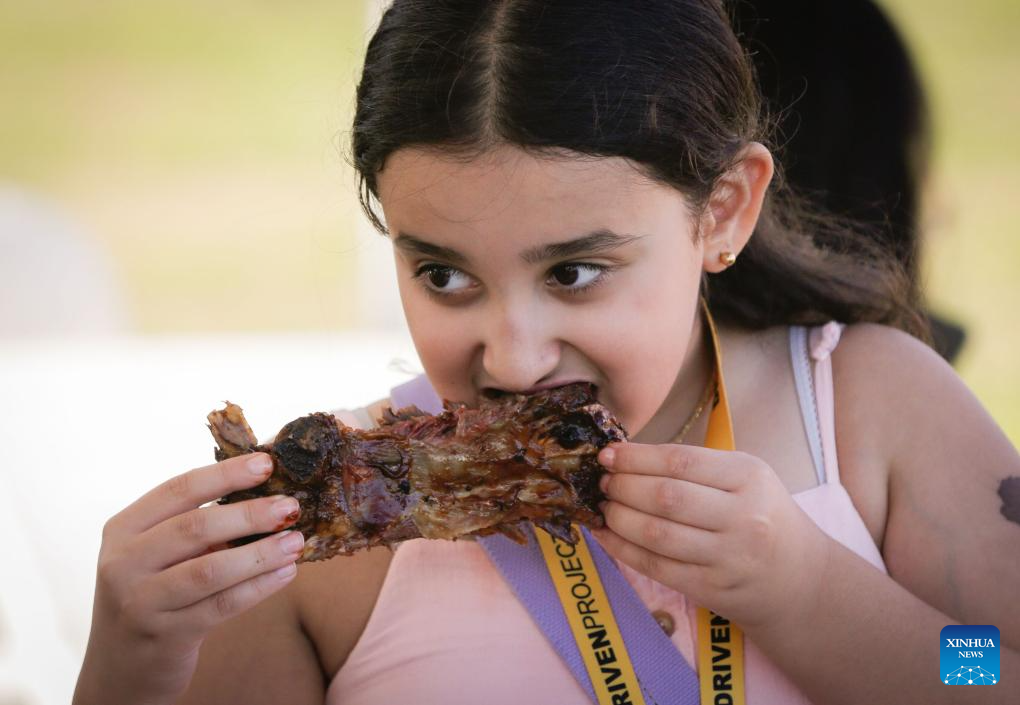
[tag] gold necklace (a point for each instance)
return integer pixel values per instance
(708, 394)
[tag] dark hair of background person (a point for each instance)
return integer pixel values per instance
(852, 119)
(662, 83)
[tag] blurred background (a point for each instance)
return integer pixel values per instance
(179, 226)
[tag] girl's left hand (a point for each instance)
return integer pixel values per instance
(717, 525)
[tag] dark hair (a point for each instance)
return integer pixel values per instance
(662, 83)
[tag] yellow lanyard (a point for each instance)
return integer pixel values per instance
(720, 643)
(591, 620)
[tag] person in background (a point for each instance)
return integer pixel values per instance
(853, 128)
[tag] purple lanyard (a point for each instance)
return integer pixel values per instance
(665, 677)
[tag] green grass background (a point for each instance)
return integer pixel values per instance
(201, 143)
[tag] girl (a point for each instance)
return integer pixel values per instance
(563, 184)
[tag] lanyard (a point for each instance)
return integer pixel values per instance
(593, 624)
(591, 620)
(720, 642)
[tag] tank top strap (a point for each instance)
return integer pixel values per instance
(416, 392)
(810, 352)
(823, 340)
(355, 418)
(802, 376)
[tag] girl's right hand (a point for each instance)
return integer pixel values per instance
(166, 578)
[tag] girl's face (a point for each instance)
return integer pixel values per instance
(517, 272)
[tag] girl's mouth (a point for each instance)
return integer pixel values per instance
(494, 393)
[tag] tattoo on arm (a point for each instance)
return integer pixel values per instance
(1009, 491)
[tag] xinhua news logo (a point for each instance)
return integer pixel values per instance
(970, 654)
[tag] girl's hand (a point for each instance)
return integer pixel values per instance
(166, 578)
(717, 525)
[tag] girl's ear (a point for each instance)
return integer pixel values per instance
(733, 208)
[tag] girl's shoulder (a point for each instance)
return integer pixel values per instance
(884, 383)
(865, 365)
(876, 368)
(895, 399)
(866, 361)
(870, 362)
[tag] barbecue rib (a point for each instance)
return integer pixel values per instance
(461, 472)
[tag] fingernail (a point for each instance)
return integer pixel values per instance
(260, 465)
(284, 507)
(606, 457)
(286, 572)
(604, 484)
(291, 541)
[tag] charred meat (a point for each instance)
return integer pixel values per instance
(462, 472)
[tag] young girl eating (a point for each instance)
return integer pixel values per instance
(581, 191)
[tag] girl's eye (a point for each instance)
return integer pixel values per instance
(435, 277)
(571, 278)
(577, 277)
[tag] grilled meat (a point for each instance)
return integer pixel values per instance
(462, 472)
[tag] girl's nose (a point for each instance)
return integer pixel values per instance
(518, 354)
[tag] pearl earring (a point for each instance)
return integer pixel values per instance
(727, 258)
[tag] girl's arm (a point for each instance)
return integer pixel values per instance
(287, 649)
(866, 639)
(951, 544)
(260, 656)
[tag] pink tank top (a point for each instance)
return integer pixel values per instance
(446, 627)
